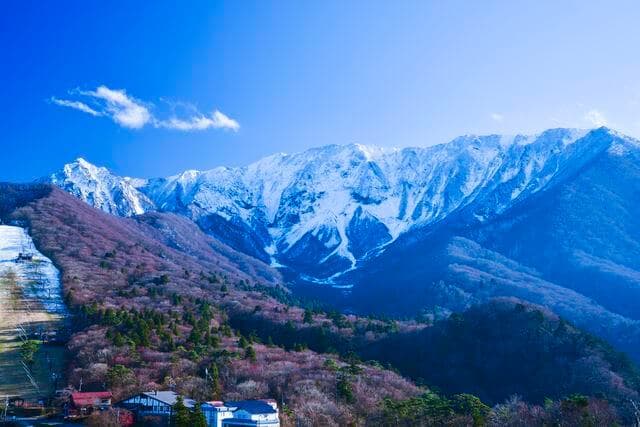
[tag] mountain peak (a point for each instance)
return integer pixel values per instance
(83, 162)
(80, 162)
(101, 188)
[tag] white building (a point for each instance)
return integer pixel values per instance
(253, 413)
(154, 403)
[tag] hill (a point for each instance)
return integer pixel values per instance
(151, 299)
(507, 347)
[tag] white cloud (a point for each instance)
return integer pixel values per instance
(596, 118)
(222, 121)
(123, 109)
(132, 113)
(77, 105)
(497, 117)
(217, 120)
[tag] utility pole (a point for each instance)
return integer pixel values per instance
(6, 407)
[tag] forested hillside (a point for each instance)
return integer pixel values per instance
(157, 303)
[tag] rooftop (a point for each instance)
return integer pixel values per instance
(252, 406)
(89, 398)
(170, 398)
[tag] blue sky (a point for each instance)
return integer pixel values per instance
(168, 86)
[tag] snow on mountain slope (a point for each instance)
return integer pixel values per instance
(321, 211)
(100, 188)
(37, 276)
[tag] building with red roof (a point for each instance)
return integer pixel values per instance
(87, 402)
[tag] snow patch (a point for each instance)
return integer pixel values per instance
(39, 278)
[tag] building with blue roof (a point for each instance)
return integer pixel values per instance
(154, 403)
(242, 413)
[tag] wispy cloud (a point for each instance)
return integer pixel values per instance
(497, 117)
(217, 120)
(596, 118)
(132, 113)
(75, 104)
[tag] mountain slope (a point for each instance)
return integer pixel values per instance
(584, 234)
(551, 218)
(442, 274)
(309, 206)
(572, 248)
(155, 301)
(337, 204)
(151, 298)
(507, 348)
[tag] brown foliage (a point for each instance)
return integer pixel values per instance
(140, 265)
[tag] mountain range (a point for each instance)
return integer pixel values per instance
(550, 218)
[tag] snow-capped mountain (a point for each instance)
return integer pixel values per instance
(322, 211)
(102, 189)
(550, 218)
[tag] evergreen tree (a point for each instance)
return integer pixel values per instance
(181, 415)
(469, 404)
(215, 380)
(197, 417)
(250, 354)
(194, 337)
(308, 316)
(119, 375)
(345, 390)
(242, 342)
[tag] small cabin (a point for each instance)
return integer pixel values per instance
(254, 413)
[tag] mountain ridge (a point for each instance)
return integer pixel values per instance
(386, 226)
(276, 208)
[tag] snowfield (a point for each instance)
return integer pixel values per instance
(38, 278)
